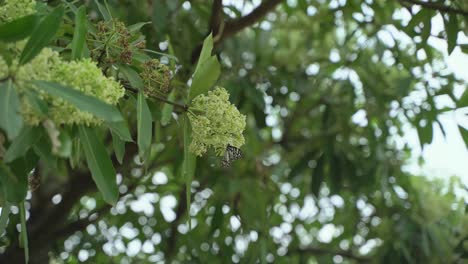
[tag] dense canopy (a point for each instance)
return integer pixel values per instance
(168, 131)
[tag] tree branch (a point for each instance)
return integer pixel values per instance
(436, 6)
(222, 30)
(182, 106)
(234, 26)
(216, 16)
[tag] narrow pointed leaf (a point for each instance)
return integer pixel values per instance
(79, 36)
(43, 33)
(166, 112)
(100, 164)
(82, 101)
(10, 118)
(121, 130)
(144, 123)
(206, 51)
(136, 27)
(464, 134)
(15, 185)
(451, 28)
(23, 142)
(132, 76)
(205, 77)
(18, 29)
(119, 147)
(6, 209)
(103, 10)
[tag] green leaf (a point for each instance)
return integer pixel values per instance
(79, 36)
(189, 165)
(14, 180)
(205, 77)
(136, 27)
(119, 147)
(160, 13)
(463, 101)
(144, 124)
(42, 35)
(132, 76)
(82, 101)
(100, 164)
(23, 142)
(166, 113)
(427, 27)
(464, 48)
(6, 209)
(10, 118)
(318, 176)
(464, 134)
(121, 130)
(207, 70)
(38, 105)
(425, 134)
(103, 10)
(18, 29)
(205, 53)
(43, 149)
(451, 28)
(24, 232)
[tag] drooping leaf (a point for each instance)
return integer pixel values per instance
(38, 105)
(166, 112)
(464, 134)
(121, 130)
(18, 29)
(24, 232)
(81, 101)
(425, 134)
(23, 142)
(43, 149)
(10, 118)
(79, 36)
(103, 10)
(144, 124)
(119, 147)
(136, 27)
(205, 53)
(132, 76)
(41, 36)
(205, 77)
(463, 101)
(451, 28)
(14, 178)
(100, 164)
(6, 209)
(189, 165)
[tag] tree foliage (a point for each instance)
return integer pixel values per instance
(123, 123)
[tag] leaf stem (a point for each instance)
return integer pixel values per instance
(164, 100)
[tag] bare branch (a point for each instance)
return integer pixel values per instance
(234, 26)
(216, 16)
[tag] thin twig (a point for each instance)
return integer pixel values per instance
(182, 106)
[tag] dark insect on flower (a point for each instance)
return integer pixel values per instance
(231, 154)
